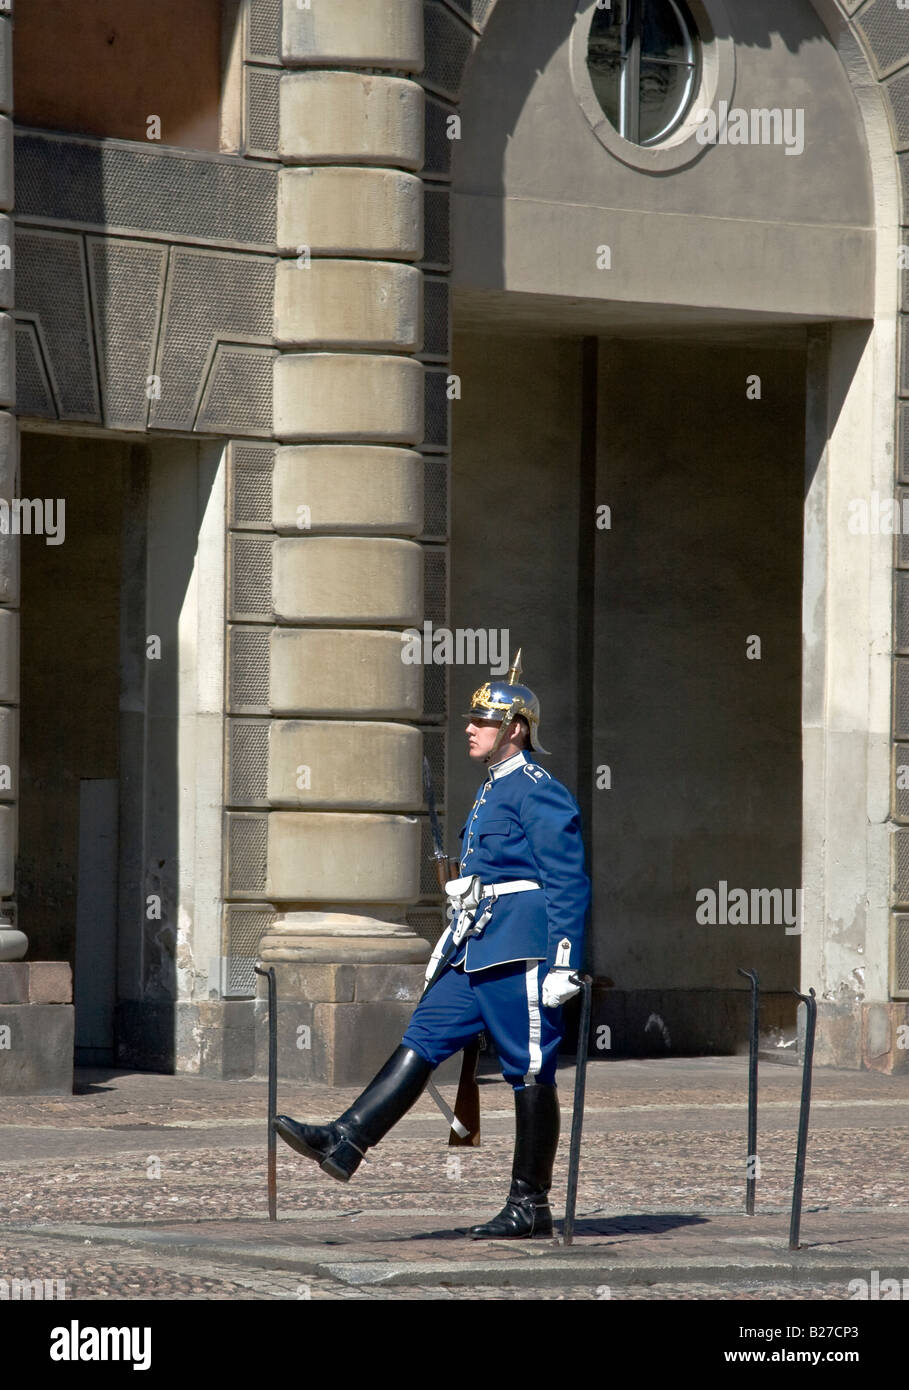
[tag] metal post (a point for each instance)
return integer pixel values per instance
(810, 1022)
(752, 1158)
(272, 1090)
(577, 1114)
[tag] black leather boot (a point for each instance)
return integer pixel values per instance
(338, 1148)
(526, 1212)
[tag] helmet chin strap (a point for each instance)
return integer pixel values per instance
(507, 719)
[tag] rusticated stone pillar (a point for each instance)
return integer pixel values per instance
(342, 847)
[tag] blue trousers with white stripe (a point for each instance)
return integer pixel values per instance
(506, 1002)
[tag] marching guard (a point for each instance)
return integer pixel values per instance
(503, 966)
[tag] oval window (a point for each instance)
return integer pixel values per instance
(643, 57)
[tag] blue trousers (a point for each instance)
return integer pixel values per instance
(505, 1002)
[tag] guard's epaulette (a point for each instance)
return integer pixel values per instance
(535, 772)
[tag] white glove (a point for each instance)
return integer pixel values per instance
(557, 988)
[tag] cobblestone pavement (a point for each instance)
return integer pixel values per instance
(153, 1187)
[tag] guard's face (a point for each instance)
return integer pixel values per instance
(481, 735)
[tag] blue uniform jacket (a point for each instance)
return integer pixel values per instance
(524, 824)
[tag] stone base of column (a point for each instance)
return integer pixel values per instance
(37, 1028)
(13, 944)
(347, 985)
(885, 1037)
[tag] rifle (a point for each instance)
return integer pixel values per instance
(464, 1121)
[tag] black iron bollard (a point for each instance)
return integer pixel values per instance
(751, 1162)
(577, 1114)
(272, 1090)
(810, 1022)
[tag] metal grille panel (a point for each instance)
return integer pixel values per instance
(900, 955)
(434, 744)
(435, 691)
(247, 840)
(435, 581)
(449, 44)
(428, 922)
(437, 161)
(248, 669)
(429, 885)
(250, 578)
(900, 772)
(238, 393)
(33, 392)
(886, 32)
(247, 763)
(249, 486)
(51, 284)
(436, 318)
(211, 295)
(264, 32)
(477, 11)
(436, 228)
(437, 409)
(109, 185)
(435, 495)
(262, 110)
(903, 422)
(897, 93)
(902, 536)
(127, 283)
(243, 929)
(901, 699)
(900, 843)
(901, 613)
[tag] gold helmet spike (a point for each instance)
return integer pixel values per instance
(514, 670)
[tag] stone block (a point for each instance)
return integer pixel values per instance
(216, 1038)
(13, 943)
(307, 983)
(299, 1052)
(347, 488)
(8, 825)
(350, 118)
(352, 1041)
(838, 1039)
(339, 857)
(350, 212)
(354, 33)
(6, 173)
(345, 303)
(885, 1037)
(9, 655)
(399, 983)
(7, 271)
(7, 354)
(36, 1049)
(342, 672)
(14, 982)
(348, 579)
(369, 765)
(9, 749)
(9, 443)
(50, 982)
(348, 396)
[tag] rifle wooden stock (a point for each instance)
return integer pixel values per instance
(467, 1104)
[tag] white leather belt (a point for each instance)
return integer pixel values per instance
(466, 894)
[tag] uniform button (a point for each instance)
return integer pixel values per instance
(470, 851)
